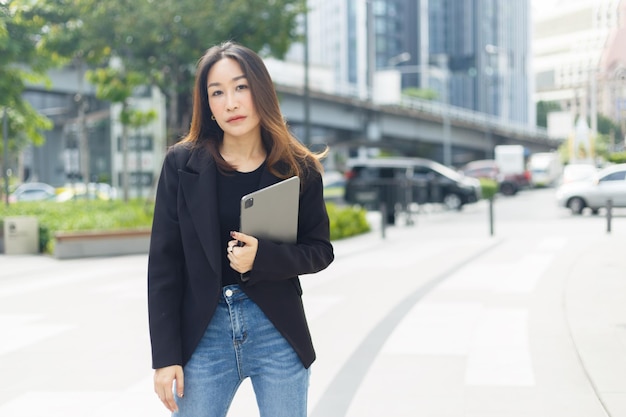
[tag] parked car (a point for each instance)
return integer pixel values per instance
(402, 181)
(488, 168)
(609, 183)
(484, 168)
(33, 191)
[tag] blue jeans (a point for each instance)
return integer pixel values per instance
(241, 342)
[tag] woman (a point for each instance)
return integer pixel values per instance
(223, 305)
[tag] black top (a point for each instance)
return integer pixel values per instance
(230, 188)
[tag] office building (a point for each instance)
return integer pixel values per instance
(578, 57)
(472, 54)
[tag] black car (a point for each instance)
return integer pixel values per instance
(398, 182)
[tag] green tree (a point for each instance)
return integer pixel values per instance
(22, 60)
(116, 85)
(163, 39)
(611, 129)
(543, 108)
(78, 33)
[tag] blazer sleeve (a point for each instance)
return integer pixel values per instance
(313, 251)
(166, 270)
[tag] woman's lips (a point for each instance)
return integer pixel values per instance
(235, 119)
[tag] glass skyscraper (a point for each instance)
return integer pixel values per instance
(474, 54)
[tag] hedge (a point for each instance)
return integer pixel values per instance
(116, 215)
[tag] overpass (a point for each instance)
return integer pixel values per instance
(415, 127)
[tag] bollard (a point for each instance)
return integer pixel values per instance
(609, 214)
(490, 216)
(383, 219)
(408, 200)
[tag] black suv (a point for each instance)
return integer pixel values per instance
(398, 182)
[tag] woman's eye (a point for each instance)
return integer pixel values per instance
(215, 93)
(242, 87)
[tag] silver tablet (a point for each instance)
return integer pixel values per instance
(272, 212)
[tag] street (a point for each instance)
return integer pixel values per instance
(435, 319)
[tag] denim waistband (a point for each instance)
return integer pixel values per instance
(232, 292)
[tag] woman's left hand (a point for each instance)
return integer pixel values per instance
(242, 257)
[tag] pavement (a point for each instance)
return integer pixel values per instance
(439, 318)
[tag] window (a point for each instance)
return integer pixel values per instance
(615, 176)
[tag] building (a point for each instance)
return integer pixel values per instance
(485, 46)
(472, 54)
(579, 61)
(611, 80)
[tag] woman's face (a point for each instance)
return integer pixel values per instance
(231, 102)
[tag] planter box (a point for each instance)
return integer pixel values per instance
(83, 244)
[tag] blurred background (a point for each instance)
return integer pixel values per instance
(93, 92)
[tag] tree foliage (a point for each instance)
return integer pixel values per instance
(116, 85)
(543, 108)
(163, 39)
(607, 126)
(22, 60)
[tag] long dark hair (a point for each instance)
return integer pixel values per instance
(286, 156)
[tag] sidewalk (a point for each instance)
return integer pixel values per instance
(595, 304)
(533, 325)
(436, 319)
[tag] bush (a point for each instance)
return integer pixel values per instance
(488, 187)
(617, 157)
(346, 221)
(137, 214)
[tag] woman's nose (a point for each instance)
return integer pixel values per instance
(231, 102)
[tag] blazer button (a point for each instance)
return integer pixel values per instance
(229, 293)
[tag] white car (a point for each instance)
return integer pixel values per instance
(33, 191)
(607, 184)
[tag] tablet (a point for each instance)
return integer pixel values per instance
(272, 212)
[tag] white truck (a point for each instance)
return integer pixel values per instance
(545, 169)
(511, 162)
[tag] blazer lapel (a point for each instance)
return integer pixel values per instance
(199, 184)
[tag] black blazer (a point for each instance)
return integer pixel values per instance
(184, 267)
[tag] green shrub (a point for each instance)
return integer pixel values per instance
(346, 221)
(617, 157)
(489, 188)
(137, 214)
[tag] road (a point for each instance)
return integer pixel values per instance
(437, 319)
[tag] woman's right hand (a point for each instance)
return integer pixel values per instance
(163, 380)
